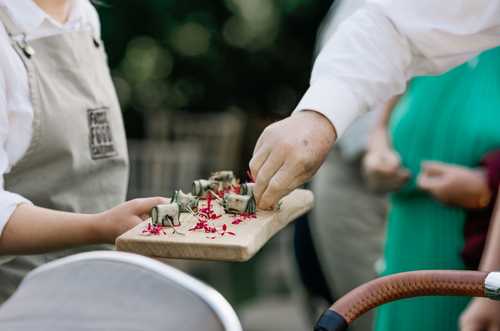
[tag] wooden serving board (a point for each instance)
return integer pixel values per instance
(249, 236)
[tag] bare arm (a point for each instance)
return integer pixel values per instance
(36, 230)
(33, 230)
(491, 256)
(382, 164)
(484, 314)
(388, 109)
(379, 136)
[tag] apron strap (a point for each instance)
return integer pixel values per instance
(12, 29)
(14, 32)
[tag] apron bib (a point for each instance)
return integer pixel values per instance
(77, 160)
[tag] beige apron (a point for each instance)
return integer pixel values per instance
(77, 160)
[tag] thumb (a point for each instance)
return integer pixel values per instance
(144, 205)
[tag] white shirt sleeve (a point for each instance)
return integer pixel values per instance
(377, 49)
(93, 17)
(8, 200)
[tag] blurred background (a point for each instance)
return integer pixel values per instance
(198, 81)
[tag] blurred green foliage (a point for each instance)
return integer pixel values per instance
(202, 55)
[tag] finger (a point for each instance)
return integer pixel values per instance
(403, 174)
(384, 164)
(400, 176)
(427, 182)
(436, 186)
(258, 160)
(283, 182)
(272, 164)
(390, 160)
(386, 169)
(144, 205)
(398, 180)
(393, 175)
(433, 168)
(260, 142)
(390, 185)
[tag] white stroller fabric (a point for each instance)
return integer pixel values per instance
(114, 291)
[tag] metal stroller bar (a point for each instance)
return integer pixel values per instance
(407, 285)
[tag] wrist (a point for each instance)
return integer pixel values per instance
(97, 228)
(322, 123)
(334, 100)
(379, 140)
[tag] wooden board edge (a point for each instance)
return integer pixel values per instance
(277, 225)
(239, 253)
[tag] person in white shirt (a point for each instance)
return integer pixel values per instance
(63, 153)
(368, 60)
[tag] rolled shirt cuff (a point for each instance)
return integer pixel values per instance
(334, 101)
(9, 203)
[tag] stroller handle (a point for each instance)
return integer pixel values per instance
(407, 285)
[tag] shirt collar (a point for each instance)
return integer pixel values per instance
(30, 17)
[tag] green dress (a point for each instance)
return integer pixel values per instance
(453, 118)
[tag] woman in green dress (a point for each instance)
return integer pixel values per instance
(434, 131)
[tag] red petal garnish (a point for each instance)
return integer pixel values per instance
(207, 215)
(154, 230)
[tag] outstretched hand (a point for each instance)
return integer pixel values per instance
(288, 153)
(122, 218)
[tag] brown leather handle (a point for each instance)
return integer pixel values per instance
(407, 285)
